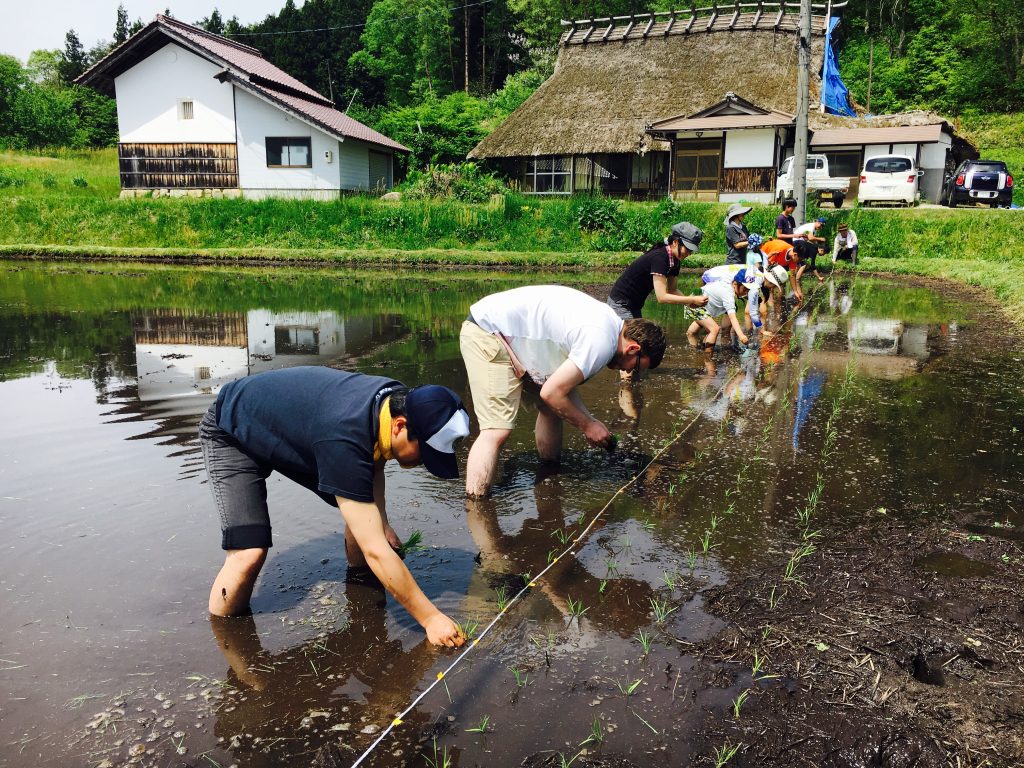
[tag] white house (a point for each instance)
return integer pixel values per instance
(202, 114)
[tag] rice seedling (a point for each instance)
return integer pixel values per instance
(725, 753)
(527, 578)
(602, 586)
(774, 599)
(612, 565)
(637, 714)
(669, 579)
(563, 763)
(705, 541)
(413, 544)
(482, 727)
(596, 733)
(552, 554)
(759, 661)
(502, 595)
(468, 628)
(691, 558)
(714, 522)
(443, 760)
(576, 608)
(737, 703)
(671, 489)
(561, 535)
(627, 688)
(661, 610)
(647, 523)
(766, 631)
(645, 641)
(522, 679)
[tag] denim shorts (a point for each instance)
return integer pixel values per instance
(622, 310)
(239, 486)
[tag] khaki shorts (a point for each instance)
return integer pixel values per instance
(497, 393)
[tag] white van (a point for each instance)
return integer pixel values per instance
(889, 179)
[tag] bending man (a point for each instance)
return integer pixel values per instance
(331, 432)
(554, 338)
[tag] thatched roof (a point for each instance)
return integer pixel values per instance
(604, 94)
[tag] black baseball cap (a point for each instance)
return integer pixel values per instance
(438, 418)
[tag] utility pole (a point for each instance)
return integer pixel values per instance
(465, 52)
(871, 66)
(802, 103)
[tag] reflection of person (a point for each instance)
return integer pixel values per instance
(845, 244)
(736, 235)
(330, 431)
(722, 295)
(370, 673)
(556, 338)
(657, 271)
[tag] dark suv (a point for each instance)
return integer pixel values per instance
(978, 181)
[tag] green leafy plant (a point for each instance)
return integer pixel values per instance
(443, 760)
(737, 703)
(413, 544)
(661, 610)
(725, 753)
(482, 727)
(596, 733)
(645, 641)
(576, 608)
(502, 595)
(595, 214)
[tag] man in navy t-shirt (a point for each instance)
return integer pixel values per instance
(332, 432)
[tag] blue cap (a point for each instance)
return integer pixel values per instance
(820, 219)
(755, 241)
(438, 418)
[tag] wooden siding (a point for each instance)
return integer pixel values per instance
(178, 166)
(748, 180)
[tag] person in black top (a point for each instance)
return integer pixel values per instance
(332, 432)
(785, 223)
(807, 254)
(736, 234)
(658, 271)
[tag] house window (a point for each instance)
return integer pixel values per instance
(548, 175)
(185, 110)
(290, 152)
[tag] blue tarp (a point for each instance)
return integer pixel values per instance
(833, 92)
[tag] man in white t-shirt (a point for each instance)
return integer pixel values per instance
(556, 338)
(809, 231)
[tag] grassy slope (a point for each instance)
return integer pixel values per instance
(48, 215)
(1000, 137)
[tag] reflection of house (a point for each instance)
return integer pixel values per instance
(883, 348)
(197, 111)
(696, 104)
(179, 354)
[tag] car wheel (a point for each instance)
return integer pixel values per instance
(837, 201)
(951, 201)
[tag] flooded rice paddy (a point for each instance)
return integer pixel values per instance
(822, 565)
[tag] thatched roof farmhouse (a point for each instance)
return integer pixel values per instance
(696, 103)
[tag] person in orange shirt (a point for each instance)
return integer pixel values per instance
(782, 254)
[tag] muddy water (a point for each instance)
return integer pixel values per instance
(110, 541)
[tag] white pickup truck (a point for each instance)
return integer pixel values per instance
(824, 187)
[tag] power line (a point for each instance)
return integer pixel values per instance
(351, 26)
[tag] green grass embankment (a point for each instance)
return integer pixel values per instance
(47, 214)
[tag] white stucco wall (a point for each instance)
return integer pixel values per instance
(934, 155)
(148, 96)
(750, 148)
(257, 120)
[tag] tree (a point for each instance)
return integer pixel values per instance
(212, 23)
(121, 30)
(43, 67)
(75, 61)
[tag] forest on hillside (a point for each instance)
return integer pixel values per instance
(438, 76)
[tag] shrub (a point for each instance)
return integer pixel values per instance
(596, 214)
(9, 178)
(463, 181)
(79, 181)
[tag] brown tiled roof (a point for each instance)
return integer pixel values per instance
(723, 122)
(247, 59)
(244, 66)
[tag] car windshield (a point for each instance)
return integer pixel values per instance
(986, 167)
(888, 165)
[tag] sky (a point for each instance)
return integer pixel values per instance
(39, 24)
